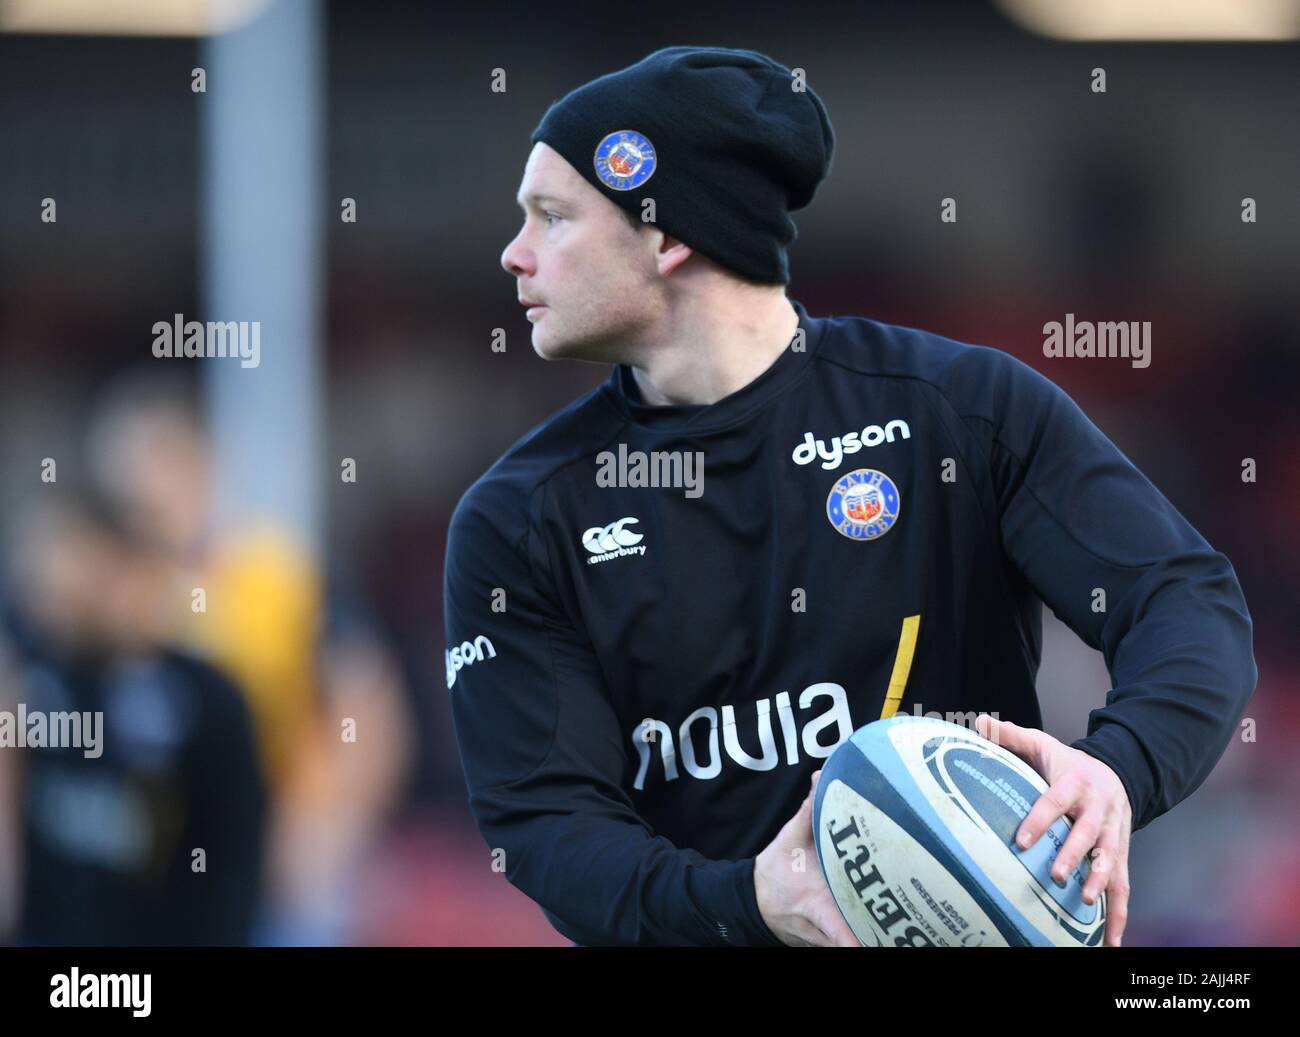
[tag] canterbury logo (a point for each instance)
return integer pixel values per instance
(612, 541)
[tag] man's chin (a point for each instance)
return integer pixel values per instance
(550, 346)
(545, 346)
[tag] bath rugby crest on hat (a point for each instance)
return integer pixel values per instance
(625, 159)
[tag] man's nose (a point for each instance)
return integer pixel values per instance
(516, 260)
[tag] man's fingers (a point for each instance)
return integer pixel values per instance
(840, 933)
(1117, 892)
(1117, 905)
(827, 918)
(803, 818)
(1086, 832)
(817, 922)
(1047, 809)
(1029, 743)
(1102, 862)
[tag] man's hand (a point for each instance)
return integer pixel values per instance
(797, 904)
(1092, 796)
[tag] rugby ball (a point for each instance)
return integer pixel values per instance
(915, 821)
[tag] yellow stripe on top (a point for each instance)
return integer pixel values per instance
(902, 666)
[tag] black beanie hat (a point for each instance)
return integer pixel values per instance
(717, 137)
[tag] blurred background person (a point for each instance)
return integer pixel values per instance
(155, 834)
(326, 696)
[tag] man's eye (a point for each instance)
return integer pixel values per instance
(548, 217)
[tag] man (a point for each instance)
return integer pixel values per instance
(292, 644)
(107, 834)
(644, 678)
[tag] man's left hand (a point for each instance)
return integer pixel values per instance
(1090, 794)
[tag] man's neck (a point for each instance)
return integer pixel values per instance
(714, 351)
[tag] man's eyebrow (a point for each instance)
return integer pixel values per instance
(536, 199)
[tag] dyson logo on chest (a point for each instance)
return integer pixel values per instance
(850, 443)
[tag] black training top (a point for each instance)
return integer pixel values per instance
(644, 677)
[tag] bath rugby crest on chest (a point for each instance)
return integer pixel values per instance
(625, 159)
(863, 504)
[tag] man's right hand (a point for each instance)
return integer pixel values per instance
(797, 904)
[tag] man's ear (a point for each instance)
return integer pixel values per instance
(672, 253)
